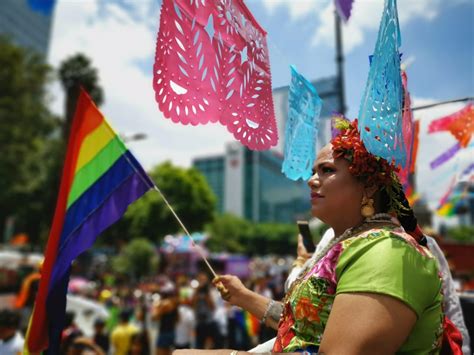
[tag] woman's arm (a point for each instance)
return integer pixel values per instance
(251, 301)
(366, 323)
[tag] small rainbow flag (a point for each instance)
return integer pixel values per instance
(100, 179)
(446, 210)
(249, 322)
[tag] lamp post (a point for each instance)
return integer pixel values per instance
(134, 137)
(340, 62)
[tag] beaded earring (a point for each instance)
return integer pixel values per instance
(367, 209)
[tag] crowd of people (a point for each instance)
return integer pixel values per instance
(155, 317)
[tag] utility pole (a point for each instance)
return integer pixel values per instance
(340, 63)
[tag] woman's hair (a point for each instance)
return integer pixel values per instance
(375, 171)
(406, 216)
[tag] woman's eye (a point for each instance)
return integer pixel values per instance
(327, 169)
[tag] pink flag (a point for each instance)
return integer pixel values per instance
(408, 131)
(212, 65)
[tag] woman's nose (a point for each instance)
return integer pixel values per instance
(313, 182)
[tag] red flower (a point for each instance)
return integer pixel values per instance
(363, 165)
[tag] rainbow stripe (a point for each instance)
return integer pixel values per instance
(101, 178)
(248, 322)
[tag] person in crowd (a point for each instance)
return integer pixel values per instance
(375, 287)
(70, 331)
(81, 345)
(121, 336)
(11, 339)
(140, 344)
(166, 312)
(100, 337)
(204, 307)
(185, 324)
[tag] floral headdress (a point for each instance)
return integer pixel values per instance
(365, 166)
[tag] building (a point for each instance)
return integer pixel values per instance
(27, 22)
(250, 184)
(213, 169)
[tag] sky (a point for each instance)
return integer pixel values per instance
(120, 37)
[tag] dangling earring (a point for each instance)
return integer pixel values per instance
(367, 209)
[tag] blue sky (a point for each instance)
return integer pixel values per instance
(119, 36)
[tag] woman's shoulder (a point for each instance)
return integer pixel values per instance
(391, 262)
(391, 236)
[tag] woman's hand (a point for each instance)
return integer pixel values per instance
(236, 291)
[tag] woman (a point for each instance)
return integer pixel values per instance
(373, 289)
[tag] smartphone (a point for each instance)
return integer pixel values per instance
(308, 243)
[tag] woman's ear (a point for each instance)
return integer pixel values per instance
(370, 191)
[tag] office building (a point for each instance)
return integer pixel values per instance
(250, 184)
(27, 22)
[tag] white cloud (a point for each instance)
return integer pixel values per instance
(366, 15)
(297, 8)
(116, 42)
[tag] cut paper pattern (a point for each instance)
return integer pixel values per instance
(212, 65)
(414, 151)
(380, 114)
(408, 132)
(443, 158)
(460, 124)
(344, 8)
(301, 128)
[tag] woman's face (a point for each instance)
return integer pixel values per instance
(335, 194)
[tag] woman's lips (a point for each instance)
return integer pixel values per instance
(315, 196)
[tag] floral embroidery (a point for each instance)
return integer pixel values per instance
(285, 330)
(306, 310)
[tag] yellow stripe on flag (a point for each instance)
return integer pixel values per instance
(93, 144)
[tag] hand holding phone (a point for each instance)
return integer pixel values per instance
(308, 243)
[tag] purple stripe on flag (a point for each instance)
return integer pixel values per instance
(443, 158)
(105, 215)
(344, 8)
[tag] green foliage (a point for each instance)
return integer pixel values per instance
(137, 259)
(233, 234)
(188, 193)
(26, 142)
(462, 233)
(228, 233)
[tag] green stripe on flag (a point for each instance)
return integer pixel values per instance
(94, 169)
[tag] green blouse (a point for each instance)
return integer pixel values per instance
(385, 261)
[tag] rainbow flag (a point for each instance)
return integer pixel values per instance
(446, 210)
(249, 322)
(100, 179)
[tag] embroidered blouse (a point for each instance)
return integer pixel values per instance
(383, 260)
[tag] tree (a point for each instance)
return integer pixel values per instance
(237, 235)
(188, 193)
(228, 233)
(74, 72)
(463, 234)
(137, 259)
(26, 139)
